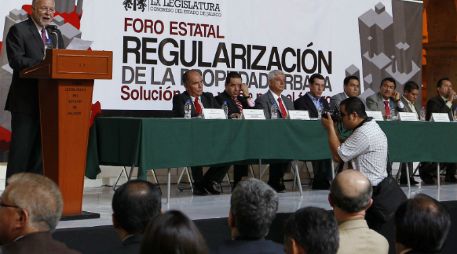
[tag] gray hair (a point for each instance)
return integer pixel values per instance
(253, 206)
(273, 74)
(39, 195)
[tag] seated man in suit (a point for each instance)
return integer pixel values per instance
(387, 100)
(30, 208)
(350, 197)
(316, 104)
(351, 88)
(277, 84)
(253, 207)
(311, 230)
(193, 82)
(236, 102)
(442, 103)
(409, 98)
(134, 204)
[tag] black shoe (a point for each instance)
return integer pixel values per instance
(428, 180)
(199, 191)
(211, 190)
(321, 185)
(411, 181)
(279, 188)
(450, 179)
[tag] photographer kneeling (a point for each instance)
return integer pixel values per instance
(366, 147)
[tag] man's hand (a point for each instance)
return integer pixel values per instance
(396, 96)
(451, 95)
(245, 90)
(327, 121)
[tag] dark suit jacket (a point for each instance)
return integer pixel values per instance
(249, 247)
(265, 101)
(305, 103)
(130, 245)
(232, 108)
(37, 243)
(375, 102)
(179, 100)
(24, 49)
(407, 107)
(437, 105)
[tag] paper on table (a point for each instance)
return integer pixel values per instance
(79, 44)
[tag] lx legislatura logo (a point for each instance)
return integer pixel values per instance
(177, 6)
(135, 5)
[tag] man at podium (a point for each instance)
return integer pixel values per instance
(26, 43)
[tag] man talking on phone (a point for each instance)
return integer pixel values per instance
(387, 100)
(25, 47)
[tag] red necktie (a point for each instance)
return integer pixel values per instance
(238, 104)
(387, 108)
(43, 36)
(282, 108)
(198, 107)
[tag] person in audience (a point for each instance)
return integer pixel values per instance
(316, 104)
(193, 82)
(422, 225)
(253, 207)
(274, 97)
(173, 233)
(442, 103)
(311, 230)
(387, 100)
(351, 88)
(134, 204)
(350, 197)
(236, 102)
(409, 98)
(30, 208)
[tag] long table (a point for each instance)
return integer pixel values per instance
(167, 143)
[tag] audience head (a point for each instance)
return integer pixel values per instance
(134, 204)
(253, 207)
(444, 87)
(352, 112)
(422, 224)
(316, 84)
(311, 230)
(233, 84)
(30, 203)
(193, 82)
(277, 81)
(350, 194)
(387, 88)
(411, 91)
(173, 233)
(351, 86)
(43, 12)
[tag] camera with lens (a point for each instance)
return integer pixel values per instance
(335, 114)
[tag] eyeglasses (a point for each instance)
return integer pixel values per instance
(46, 9)
(342, 114)
(6, 205)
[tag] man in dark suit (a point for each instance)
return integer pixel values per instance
(134, 204)
(409, 98)
(386, 100)
(193, 82)
(316, 104)
(277, 84)
(25, 45)
(442, 103)
(236, 102)
(253, 207)
(30, 208)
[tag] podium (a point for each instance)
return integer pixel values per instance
(66, 79)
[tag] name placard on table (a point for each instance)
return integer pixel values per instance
(376, 115)
(299, 115)
(213, 113)
(408, 116)
(440, 117)
(253, 114)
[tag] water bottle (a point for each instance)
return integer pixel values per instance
(422, 114)
(225, 108)
(188, 110)
(47, 45)
(274, 111)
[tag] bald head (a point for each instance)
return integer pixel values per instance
(351, 191)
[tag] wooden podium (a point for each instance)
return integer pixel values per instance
(66, 79)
